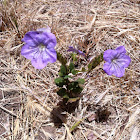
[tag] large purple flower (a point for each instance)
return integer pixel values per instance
(117, 61)
(39, 47)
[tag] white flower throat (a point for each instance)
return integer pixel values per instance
(41, 47)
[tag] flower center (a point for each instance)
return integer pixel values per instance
(114, 61)
(41, 47)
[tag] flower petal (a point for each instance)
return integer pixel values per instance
(121, 49)
(48, 29)
(40, 38)
(81, 53)
(71, 49)
(52, 55)
(28, 51)
(38, 62)
(49, 56)
(123, 60)
(49, 38)
(107, 68)
(45, 38)
(117, 70)
(109, 55)
(113, 68)
(30, 39)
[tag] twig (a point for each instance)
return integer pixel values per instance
(9, 112)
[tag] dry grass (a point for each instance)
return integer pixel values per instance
(28, 96)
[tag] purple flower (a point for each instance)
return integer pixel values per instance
(39, 47)
(117, 61)
(71, 49)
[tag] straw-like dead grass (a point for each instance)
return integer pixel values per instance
(28, 96)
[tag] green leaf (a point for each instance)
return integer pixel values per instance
(81, 81)
(71, 66)
(83, 70)
(74, 58)
(66, 96)
(63, 70)
(73, 85)
(75, 88)
(76, 124)
(74, 72)
(61, 59)
(95, 62)
(59, 82)
(67, 76)
(62, 92)
(60, 74)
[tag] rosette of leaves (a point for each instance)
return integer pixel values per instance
(68, 89)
